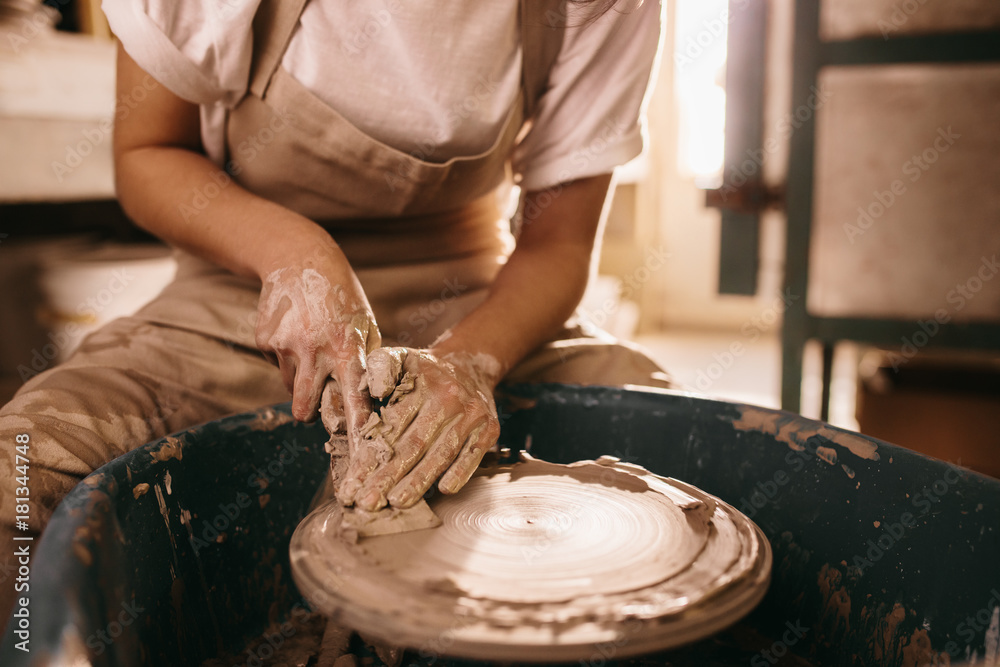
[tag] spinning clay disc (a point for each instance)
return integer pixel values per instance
(539, 561)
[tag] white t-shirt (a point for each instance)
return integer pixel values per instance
(434, 79)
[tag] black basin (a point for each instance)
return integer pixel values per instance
(881, 556)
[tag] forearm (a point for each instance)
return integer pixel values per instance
(531, 300)
(235, 229)
(540, 286)
(160, 170)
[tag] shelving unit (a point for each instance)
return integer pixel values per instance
(810, 56)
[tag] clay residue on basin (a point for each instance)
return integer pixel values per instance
(170, 448)
(794, 431)
(269, 419)
(893, 639)
(827, 454)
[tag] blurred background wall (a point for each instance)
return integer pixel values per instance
(904, 223)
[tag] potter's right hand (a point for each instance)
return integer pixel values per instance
(315, 321)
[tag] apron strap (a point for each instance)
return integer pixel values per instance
(543, 23)
(273, 26)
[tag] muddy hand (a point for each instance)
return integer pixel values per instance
(318, 325)
(439, 421)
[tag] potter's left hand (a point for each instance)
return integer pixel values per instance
(439, 422)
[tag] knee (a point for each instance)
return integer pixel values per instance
(90, 413)
(43, 462)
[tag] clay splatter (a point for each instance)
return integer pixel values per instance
(827, 454)
(835, 619)
(268, 420)
(171, 448)
(992, 641)
(794, 432)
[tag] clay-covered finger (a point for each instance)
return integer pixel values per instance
(361, 464)
(351, 377)
(309, 383)
(372, 335)
(480, 441)
(357, 409)
(287, 368)
(385, 368)
(331, 408)
(439, 458)
(366, 332)
(408, 450)
(365, 454)
(363, 460)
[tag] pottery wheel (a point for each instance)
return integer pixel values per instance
(539, 561)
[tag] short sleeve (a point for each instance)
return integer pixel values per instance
(590, 120)
(199, 50)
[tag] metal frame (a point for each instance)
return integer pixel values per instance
(739, 238)
(810, 55)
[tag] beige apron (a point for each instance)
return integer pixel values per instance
(426, 240)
